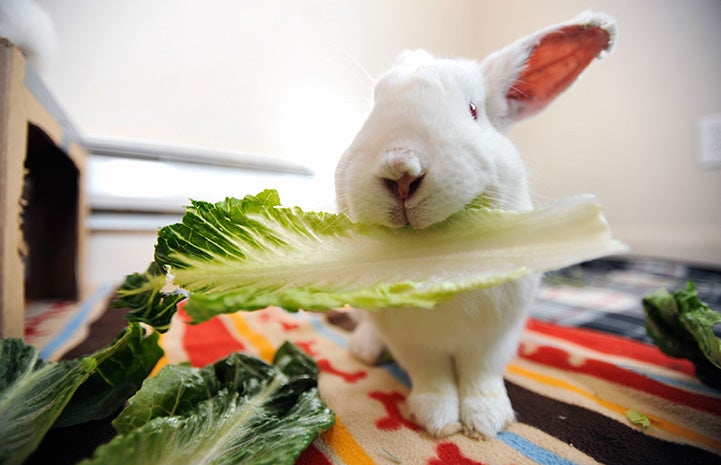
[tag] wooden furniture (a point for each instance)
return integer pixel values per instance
(42, 205)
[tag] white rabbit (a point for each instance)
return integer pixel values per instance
(434, 142)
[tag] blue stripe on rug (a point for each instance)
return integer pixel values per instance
(328, 333)
(76, 322)
(532, 450)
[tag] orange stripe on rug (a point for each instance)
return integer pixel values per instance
(265, 349)
(342, 442)
(163, 360)
(658, 422)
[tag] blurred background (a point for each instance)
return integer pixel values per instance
(215, 98)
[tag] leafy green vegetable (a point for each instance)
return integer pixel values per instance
(246, 254)
(34, 393)
(122, 367)
(145, 294)
(682, 326)
(238, 410)
(638, 418)
(32, 396)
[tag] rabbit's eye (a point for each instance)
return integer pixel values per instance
(473, 109)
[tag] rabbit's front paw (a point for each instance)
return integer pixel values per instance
(486, 415)
(437, 413)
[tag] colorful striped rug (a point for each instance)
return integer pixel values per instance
(571, 389)
(56, 326)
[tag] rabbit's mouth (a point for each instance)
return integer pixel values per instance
(412, 212)
(401, 217)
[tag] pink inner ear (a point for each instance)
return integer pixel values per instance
(554, 64)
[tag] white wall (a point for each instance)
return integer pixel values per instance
(287, 78)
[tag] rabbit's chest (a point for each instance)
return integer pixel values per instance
(467, 320)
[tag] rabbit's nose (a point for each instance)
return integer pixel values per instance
(402, 172)
(405, 186)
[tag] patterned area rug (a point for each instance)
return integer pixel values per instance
(56, 326)
(571, 385)
(571, 389)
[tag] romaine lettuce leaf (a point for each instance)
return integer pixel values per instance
(683, 327)
(32, 396)
(122, 366)
(34, 393)
(238, 410)
(247, 254)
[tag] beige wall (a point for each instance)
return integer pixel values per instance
(282, 78)
(627, 131)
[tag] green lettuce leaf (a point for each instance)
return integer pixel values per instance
(144, 293)
(247, 254)
(121, 369)
(238, 410)
(638, 418)
(34, 393)
(682, 326)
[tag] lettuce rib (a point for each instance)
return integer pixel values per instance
(246, 254)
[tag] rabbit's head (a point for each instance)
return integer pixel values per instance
(435, 141)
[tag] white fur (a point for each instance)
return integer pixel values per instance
(421, 138)
(27, 25)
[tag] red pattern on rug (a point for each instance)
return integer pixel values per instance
(208, 342)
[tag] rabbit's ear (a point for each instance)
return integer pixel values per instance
(524, 77)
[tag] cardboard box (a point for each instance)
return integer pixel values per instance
(42, 199)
